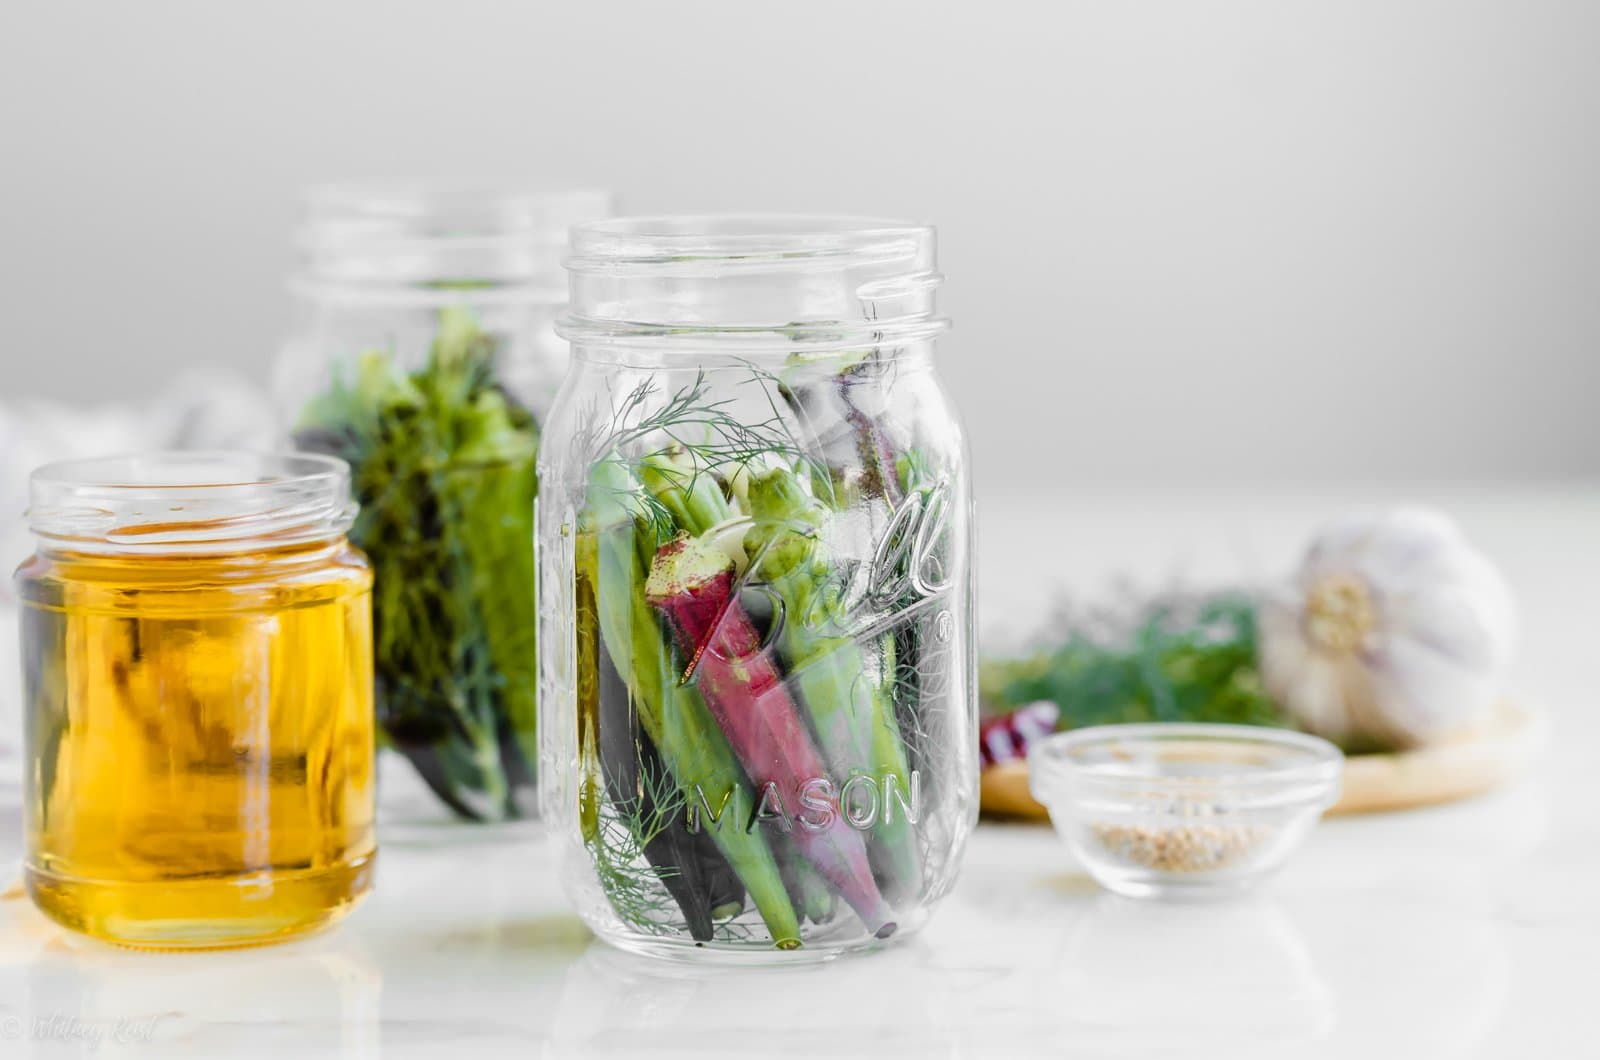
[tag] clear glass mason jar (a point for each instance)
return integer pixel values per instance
(197, 696)
(424, 354)
(756, 589)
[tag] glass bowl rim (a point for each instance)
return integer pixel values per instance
(1318, 765)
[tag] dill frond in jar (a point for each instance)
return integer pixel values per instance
(443, 465)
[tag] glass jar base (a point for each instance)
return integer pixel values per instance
(202, 914)
(817, 949)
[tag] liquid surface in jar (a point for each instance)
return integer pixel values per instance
(201, 732)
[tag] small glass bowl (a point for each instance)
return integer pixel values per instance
(1178, 810)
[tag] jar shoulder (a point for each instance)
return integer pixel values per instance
(229, 582)
(734, 406)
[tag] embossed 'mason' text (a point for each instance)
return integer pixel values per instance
(814, 805)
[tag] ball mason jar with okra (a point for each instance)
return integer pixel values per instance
(197, 653)
(758, 731)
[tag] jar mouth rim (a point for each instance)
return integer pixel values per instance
(207, 499)
(464, 209)
(766, 279)
(794, 241)
(406, 236)
(127, 473)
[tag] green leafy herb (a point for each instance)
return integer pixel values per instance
(443, 466)
(1173, 660)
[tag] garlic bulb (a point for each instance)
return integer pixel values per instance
(1394, 632)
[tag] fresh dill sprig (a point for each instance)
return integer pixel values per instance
(724, 438)
(1170, 658)
(691, 422)
(443, 464)
(636, 888)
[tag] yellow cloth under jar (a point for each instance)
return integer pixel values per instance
(197, 651)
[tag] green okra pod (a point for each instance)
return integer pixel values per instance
(672, 713)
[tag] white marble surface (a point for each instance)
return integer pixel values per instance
(1467, 930)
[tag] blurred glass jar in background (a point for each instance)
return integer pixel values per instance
(197, 698)
(423, 354)
(759, 730)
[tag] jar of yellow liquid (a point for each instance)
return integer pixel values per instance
(197, 660)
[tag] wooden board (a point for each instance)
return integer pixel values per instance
(1472, 763)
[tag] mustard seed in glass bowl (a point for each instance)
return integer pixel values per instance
(1175, 810)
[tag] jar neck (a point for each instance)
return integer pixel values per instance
(419, 245)
(756, 284)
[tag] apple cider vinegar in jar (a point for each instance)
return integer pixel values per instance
(197, 663)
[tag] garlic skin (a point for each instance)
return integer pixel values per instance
(1395, 632)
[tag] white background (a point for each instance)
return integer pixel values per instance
(1186, 241)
